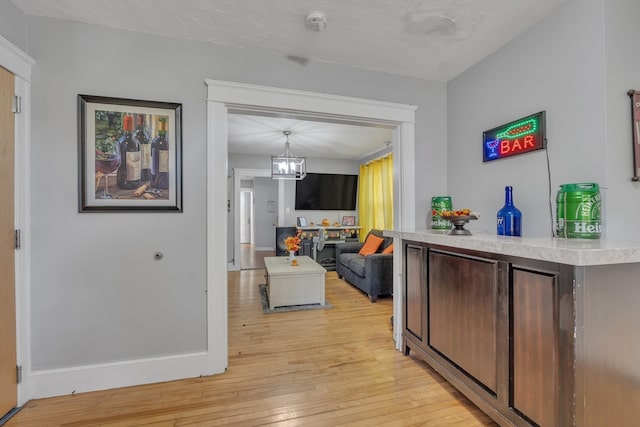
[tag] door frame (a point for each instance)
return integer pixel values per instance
(238, 174)
(246, 198)
(224, 98)
(19, 63)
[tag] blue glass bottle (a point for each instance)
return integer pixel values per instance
(509, 217)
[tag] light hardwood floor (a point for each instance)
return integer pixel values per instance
(330, 367)
(252, 259)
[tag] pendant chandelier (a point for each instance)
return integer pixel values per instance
(286, 165)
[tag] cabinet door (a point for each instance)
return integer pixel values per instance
(535, 345)
(463, 313)
(415, 290)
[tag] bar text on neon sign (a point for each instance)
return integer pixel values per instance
(516, 137)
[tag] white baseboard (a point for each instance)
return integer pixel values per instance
(265, 248)
(58, 382)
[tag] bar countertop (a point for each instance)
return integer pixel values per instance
(579, 252)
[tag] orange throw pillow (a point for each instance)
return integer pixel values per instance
(388, 249)
(371, 245)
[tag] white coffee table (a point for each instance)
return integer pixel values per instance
(294, 285)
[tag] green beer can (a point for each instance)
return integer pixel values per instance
(440, 204)
(578, 211)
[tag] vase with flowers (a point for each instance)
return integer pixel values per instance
(293, 245)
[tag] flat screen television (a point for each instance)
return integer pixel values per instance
(326, 192)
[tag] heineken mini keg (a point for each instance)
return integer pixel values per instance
(440, 204)
(578, 209)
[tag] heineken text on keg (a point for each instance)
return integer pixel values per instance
(440, 204)
(578, 208)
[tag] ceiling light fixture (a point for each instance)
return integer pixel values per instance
(286, 165)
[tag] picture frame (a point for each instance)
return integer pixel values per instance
(302, 221)
(114, 176)
(521, 136)
(635, 132)
(349, 220)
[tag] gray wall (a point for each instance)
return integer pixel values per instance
(557, 66)
(314, 164)
(97, 293)
(265, 191)
(317, 165)
(13, 24)
(622, 33)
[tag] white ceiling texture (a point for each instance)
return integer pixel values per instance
(426, 39)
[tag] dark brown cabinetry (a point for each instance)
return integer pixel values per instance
(463, 314)
(499, 328)
(415, 289)
(534, 350)
(543, 343)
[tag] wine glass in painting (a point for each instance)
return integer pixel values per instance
(108, 160)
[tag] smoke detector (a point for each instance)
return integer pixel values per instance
(316, 21)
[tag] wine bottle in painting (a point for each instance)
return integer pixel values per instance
(160, 157)
(145, 149)
(128, 176)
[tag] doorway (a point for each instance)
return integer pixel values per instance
(255, 216)
(18, 64)
(224, 98)
(246, 216)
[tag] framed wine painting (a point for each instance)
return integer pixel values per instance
(130, 155)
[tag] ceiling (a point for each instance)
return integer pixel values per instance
(427, 39)
(264, 135)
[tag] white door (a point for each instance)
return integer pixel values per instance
(246, 211)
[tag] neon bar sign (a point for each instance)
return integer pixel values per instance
(513, 138)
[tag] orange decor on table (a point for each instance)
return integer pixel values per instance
(293, 242)
(293, 245)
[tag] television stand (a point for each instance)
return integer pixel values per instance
(319, 242)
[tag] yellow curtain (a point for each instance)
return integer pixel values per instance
(375, 195)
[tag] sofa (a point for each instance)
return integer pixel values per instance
(372, 274)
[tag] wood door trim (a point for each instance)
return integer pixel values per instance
(8, 337)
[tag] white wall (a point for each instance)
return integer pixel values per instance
(623, 73)
(557, 66)
(98, 295)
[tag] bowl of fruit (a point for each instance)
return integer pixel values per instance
(459, 218)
